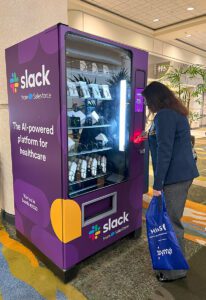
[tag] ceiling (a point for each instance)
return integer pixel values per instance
(176, 24)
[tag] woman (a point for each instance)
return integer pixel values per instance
(172, 158)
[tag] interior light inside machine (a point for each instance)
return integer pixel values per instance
(122, 114)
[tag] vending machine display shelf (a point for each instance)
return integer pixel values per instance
(89, 152)
(89, 178)
(91, 98)
(90, 73)
(89, 57)
(93, 126)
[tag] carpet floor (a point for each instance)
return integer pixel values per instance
(122, 271)
(191, 288)
(23, 277)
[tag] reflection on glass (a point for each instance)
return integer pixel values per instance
(98, 113)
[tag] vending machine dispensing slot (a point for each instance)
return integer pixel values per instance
(97, 209)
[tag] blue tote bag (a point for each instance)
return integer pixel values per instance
(165, 251)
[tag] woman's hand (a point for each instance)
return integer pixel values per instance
(157, 193)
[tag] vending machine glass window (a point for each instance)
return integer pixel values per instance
(98, 77)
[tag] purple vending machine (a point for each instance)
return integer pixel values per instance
(76, 114)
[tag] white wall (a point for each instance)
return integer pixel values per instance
(18, 21)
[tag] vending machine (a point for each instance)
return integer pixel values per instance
(76, 122)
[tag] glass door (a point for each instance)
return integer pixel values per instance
(98, 113)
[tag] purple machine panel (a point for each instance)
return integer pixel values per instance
(63, 218)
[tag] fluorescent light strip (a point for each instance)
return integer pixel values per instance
(122, 114)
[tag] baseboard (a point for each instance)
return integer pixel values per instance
(8, 217)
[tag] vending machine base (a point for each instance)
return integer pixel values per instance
(64, 275)
(136, 233)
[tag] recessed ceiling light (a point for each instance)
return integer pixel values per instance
(190, 8)
(188, 35)
(156, 20)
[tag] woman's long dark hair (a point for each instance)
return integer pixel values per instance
(159, 96)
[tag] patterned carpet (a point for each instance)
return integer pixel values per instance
(198, 190)
(22, 276)
(121, 271)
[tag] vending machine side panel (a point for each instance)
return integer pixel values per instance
(137, 134)
(35, 131)
(140, 141)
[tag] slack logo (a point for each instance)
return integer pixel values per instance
(14, 82)
(30, 80)
(35, 79)
(94, 232)
(115, 222)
